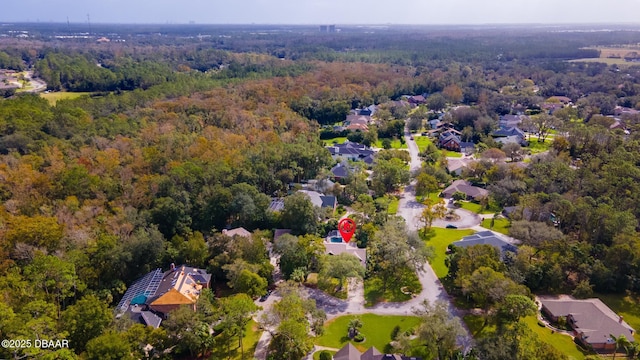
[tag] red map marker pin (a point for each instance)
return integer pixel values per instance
(347, 227)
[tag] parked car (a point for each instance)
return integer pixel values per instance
(451, 226)
(264, 297)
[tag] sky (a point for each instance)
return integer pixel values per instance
(418, 12)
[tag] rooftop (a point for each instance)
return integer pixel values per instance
(591, 318)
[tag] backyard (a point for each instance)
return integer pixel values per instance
(395, 291)
(500, 225)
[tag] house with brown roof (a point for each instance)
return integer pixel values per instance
(240, 231)
(592, 321)
(152, 297)
(350, 352)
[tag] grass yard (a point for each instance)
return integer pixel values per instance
(477, 326)
(439, 239)
(395, 144)
(538, 147)
(249, 343)
(54, 97)
(475, 207)
(337, 140)
(626, 305)
(563, 343)
(375, 328)
(393, 206)
(422, 142)
(500, 225)
(374, 292)
(452, 154)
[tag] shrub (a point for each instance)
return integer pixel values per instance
(325, 355)
(395, 332)
(358, 338)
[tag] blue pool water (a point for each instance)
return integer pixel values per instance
(336, 239)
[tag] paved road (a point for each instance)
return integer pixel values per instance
(432, 289)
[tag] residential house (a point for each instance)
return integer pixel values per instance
(435, 124)
(592, 321)
(240, 231)
(357, 119)
(450, 140)
(510, 121)
(152, 297)
(320, 200)
(416, 99)
(487, 238)
(465, 187)
(341, 171)
(349, 352)
(455, 166)
(350, 151)
(510, 135)
(334, 244)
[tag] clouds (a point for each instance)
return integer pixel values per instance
(325, 11)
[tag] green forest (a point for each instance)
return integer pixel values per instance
(180, 139)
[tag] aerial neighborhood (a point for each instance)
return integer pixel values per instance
(285, 193)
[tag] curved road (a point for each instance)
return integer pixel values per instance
(432, 289)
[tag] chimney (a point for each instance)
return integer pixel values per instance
(173, 267)
(620, 320)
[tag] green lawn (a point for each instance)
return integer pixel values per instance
(563, 343)
(337, 140)
(249, 343)
(422, 142)
(477, 326)
(393, 206)
(500, 225)
(439, 239)
(375, 328)
(375, 293)
(453, 154)
(626, 305)
(538, 147)
(53, 97)
(475, 207)
(395, 144)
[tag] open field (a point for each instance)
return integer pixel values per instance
(375, 328)
(54, 97)
(608, 61)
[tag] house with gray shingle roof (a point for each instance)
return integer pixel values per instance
(465, 187)
(486, 238)
(592, 321)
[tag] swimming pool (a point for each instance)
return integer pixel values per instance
(336, 239)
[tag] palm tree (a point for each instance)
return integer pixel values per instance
(620, 341)
(354, 327)
(633, 350)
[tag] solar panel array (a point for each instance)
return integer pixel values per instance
(146, 286)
